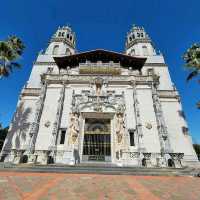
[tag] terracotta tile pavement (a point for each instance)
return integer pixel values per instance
(52, 186)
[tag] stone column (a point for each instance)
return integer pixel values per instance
(161, 125)
(138, 124)
(35, 125)
(56, 124)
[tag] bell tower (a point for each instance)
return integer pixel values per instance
(62, 43)
(138, 43)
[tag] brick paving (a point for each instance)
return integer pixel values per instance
(52, 186)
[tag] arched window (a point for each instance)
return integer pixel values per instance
(55, 50)
(63, 34)
(68, 52)
(145, 51)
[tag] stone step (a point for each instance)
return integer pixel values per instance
(98, 170)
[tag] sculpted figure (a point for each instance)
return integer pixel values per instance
(98, 83)
(74, 127)
(120, 127)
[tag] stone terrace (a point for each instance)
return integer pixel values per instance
(53, 186)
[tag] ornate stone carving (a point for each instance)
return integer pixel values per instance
(148, 125)
(147, 155)
(176, 156)
(98, 83)
(47, 123)
(96, 100)
(120, 127)
(162, 129)
(72, 78)
(134, 155)
(74, 127)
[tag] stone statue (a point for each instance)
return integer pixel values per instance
(74, 126)
(98, 83)
(120, 127)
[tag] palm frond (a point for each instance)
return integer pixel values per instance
(192, 75)
(198, 105)
(15, 64)
(4, 72)
(16, 45)
(10, 50)
(192, 57)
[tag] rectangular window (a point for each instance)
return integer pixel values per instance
(62, 136)
(132, 139)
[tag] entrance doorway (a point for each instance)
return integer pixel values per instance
(97, 140)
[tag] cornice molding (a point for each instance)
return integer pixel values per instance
(31, 92)
(44, 63)
(87, 79)
(168, 94)
(155, 64)
(64, 40)
(135, 41)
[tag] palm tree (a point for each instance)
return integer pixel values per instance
(10, 50)
(192, 62)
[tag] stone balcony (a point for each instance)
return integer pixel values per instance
(110, 68)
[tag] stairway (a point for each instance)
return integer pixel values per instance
(95, 168)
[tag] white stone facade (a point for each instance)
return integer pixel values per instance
(139, 114)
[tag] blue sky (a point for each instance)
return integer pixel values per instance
(172, 24)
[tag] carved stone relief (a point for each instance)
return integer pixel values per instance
(97, 99)
(120, 127)
(74, 127)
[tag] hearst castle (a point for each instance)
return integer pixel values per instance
(99, 106)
